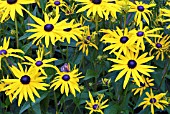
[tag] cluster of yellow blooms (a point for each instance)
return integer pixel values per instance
(127, 44)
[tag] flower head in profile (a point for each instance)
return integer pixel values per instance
(67, 79)
(98, 7)
(161, 46)
(143, 85)
(120, 40)
(166, 13)
(3, 85)
(97, 105)
(130, 65)
(56, 4)
(26, 83)
(40, 63)
(144, 33)
(142, 11)
(154, 100)
(106, 81)
(5, 51)
(10, 7)
(86, 41)
(45, 29)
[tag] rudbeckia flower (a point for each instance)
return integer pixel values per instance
(131, 64)
(106, 81)
(5, 52)
(154, 100)
(86, 41)
(141, 9)
(144, 33)
(70, 30)
(25, 83)
(47, 29)
(98, 7)
(39, 63)
(147, 83)
(166, 13)
(161, 46)
(56, 4)
(10, 7)
(96, 106)
(68, 80)
(3, 85)
(118, 39)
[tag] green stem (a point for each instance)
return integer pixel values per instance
(55, 100)
(82, 61)
(97, 28)
(16, 28)
(124, 21)
(67, 54)
(164, 72)
(61, 51)
(31, 107)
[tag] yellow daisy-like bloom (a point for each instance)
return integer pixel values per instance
(161, 45)
(132, 65)
(69, 9)
(124, 5)
(5, 52)
(97, 7)
(154, 100)
(96, 106)
(144, 33)
(56, 4)
(68, 80)
(147, 83)
(166, 13)
(118, 39)
(86, 41)
(26, 83)
(47, 29)
(141, 10)
(3, 85)
(40, 63)
(71, 30)
(11, 6)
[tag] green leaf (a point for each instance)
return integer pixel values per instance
(26, 35)
(37, 109)
(112, 108)
(43, 4)
(26, 47)
(90, 74)
(27, 104)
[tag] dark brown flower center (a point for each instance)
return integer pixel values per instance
(142, 84)
(140, 8)
(66, 77)
(25, 79)
(48, 27)
(132, 64)
(124, 39)
(38, 63)
(152, 100)
(96, 1)
(11, 1)
(95, 106)
(3, 52)
(57, 3)
(158, 45)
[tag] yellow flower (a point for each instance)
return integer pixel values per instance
(141, 10)
(166, 13)
(147, 83)
(47, 29)
(56, 4)
(99, 7)
(5, 52)
(118, 39)
(68, 80)
(86, 41)
(39, 63)
(144, 33)
(131, 64)
(70, 30)
(96, 106)
(69, 8)
(154, 100)
(161, 45)
(10, 7)
(25, 83)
